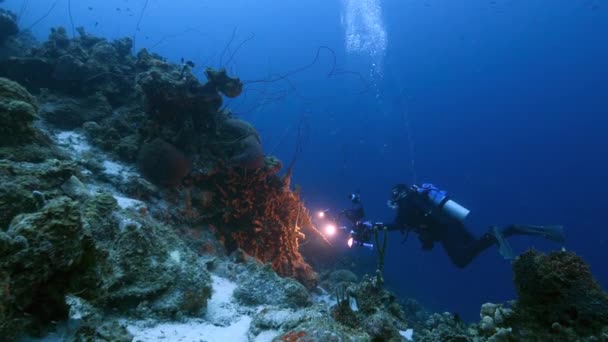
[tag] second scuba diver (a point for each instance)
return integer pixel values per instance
(435, 218)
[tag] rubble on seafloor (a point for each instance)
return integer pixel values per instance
(134, 207)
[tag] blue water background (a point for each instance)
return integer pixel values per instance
(507, 104)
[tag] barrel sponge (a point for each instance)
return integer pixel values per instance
(162, 163)
(250, 155)
(240, 128)
(18, 110)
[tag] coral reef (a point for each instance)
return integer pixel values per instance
(176, 99)
(259, 284)
(146, 110)
(557, 292)
(59, 239)
(337, 279)
(44, 256)
(365, 308)
(18, 109)
(79, 67)
(74, 250)
(102, 255)
(162, 163)
(558, 300)
(70, 113)
(19, 179)
(444, 327)
(229, 87)
(8, 25)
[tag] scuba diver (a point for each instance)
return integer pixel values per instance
(436, 218)
(361, 232)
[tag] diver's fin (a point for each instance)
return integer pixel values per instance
(504, 248)
(553, 233)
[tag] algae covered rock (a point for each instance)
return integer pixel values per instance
(17, 113)
(337, 279)
(105, 331)
(70, 113)
(147, 270)
(19, 180)
(259, 284)
(111, 259)
(324, 329)
(444, 327)
(44, 256)
(263, 286)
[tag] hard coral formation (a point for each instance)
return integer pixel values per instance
(366, 308)
(179, 136)
(81, 66)
(108, 258)
(44, 256)
(559, 288)
(70, 113)
(19, 179)
(18, 109)
(259, 284)
(558, 300)
(174, 97)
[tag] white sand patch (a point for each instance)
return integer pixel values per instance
(324, 298)
(191, 331)
(222, 322)
(128, 203)
(221, 310)
(73, 141)
(407, 334)
(113, 168)
(267, 336)
(175, 256)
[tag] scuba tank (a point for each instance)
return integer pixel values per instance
(439, 199)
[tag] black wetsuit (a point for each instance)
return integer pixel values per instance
(432, 226)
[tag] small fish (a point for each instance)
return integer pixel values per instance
(90, 8)
(96, 23)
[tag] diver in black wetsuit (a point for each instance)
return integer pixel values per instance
(430, 213)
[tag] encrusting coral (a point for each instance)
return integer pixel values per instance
(18, 109)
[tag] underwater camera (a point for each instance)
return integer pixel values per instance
(361, 234)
